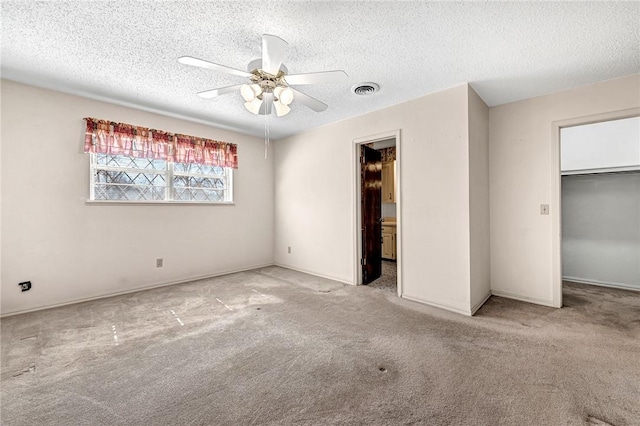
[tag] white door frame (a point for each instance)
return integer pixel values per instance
(357, 220)
(556, 188)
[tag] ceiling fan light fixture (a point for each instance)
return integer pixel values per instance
(247, 93)
(286, 96)
(253, 106)
(250, 92)
(281, 109)
(256, 89)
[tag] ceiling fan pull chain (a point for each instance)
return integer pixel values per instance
(266, 135)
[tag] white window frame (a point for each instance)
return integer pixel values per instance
(168, 174)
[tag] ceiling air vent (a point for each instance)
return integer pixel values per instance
(365, 89)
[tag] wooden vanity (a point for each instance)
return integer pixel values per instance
(389, 244)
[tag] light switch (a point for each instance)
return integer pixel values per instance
(544, 208)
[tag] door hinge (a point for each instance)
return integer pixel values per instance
(362, 160)
(363, 261)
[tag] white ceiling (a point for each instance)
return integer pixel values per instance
(126, 51)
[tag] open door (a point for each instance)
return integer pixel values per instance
(371, 173)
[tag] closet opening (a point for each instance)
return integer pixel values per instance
(600, 203)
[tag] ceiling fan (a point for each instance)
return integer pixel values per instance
(269, 86)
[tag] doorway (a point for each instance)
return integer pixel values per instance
(377, 221)
(596, 190)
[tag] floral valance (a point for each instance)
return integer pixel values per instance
(107, 137)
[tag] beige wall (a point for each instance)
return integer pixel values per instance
(71, 250)
(523, 175)
(479, 200)
(315, 197)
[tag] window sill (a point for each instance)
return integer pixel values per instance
(162, 203)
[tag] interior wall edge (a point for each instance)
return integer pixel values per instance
(482, 301)
(479, 200)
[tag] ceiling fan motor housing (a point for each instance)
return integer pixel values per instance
(256, 65)
(266, 81)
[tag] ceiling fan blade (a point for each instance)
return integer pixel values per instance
(208, 94)
(308, 101)
(200, 63)
(273, 51)
(337, 76)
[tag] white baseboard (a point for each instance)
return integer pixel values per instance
(527, 299)
(437, 305)
(315, 274)
(478, 305)
(134, 290)
(601, 283)
(450, 308)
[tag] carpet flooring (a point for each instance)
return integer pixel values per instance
(278, 347)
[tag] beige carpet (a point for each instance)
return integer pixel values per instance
(276, 347)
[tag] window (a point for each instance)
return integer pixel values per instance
(137, 164)
(124, 178)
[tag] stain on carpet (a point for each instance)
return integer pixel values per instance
(591, 420)
(29, 369)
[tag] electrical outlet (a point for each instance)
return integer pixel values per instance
(289, 249)
(25, 286)
(159, 263)
(544, 208)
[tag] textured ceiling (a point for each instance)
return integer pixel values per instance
(126, 51)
